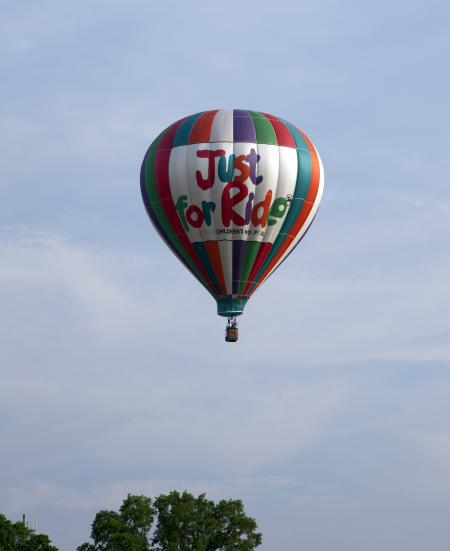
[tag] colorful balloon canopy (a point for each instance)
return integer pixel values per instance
(232, 193)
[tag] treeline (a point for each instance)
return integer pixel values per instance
(172, 522)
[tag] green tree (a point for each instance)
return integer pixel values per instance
(236, 531)
(186, 523)
(127, 530)
(7, 536)
(137, 513)
(18, 537)
(183, 523)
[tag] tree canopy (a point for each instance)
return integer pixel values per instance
(126, 530)
(174, 522)
(18, 537)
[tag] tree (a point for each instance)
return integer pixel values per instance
(127, 530)
(187, 523)
(137, 513)
(183, 523)
(18, 537)
(237, 531)
(7, 536)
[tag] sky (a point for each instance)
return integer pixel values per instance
(330, 417)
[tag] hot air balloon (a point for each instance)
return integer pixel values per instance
(232, 192)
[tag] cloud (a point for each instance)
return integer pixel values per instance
(109, 496)
(236, 431)
(340, 318)
(49, 263)
(111, 374)
(433, 448)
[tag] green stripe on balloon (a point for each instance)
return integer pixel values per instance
(264, 130)
(149, 171)
(204, 258)
(159, 211)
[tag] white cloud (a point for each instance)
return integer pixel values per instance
(110, 496)
(111, 372)
(434, 449)
(359, 316)
(89, 277)
(241, 430)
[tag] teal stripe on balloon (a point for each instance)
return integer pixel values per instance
(204, 259)
(184, 130)
(304, 173)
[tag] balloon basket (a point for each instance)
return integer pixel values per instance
(231, 330)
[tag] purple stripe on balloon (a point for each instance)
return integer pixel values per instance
(243, 127)
(238, 260)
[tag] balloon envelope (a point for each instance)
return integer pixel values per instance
(231, 192)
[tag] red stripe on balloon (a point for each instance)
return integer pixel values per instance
(263, 251)
(161, 165)
(284, 137)
(201, 131)
(166, 141)
(212, 250)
